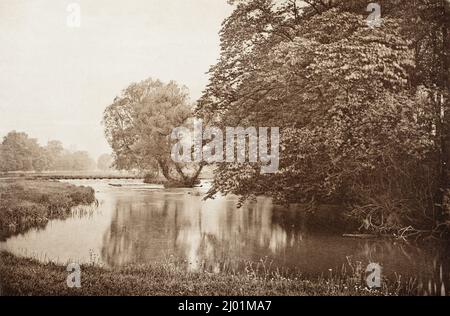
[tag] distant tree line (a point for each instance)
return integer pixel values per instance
(19, 152)
(105, 162)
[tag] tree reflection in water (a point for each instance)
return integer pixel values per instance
(135, 224)
(213, 235)
(202, 234)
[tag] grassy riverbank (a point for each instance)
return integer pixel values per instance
(31, 203)
(21, 276)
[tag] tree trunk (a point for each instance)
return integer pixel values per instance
(184, 180)
(164, 169)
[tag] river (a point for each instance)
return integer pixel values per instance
(139, 223)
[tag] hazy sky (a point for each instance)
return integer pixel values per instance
(55, 81)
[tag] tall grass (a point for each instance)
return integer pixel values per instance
(21, 276)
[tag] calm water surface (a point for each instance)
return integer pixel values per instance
(138, 223)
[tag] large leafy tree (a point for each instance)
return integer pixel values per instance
(138, 126)
(359, 122)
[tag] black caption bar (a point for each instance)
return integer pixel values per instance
(224, 305)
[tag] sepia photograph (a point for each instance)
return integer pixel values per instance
(248, 149)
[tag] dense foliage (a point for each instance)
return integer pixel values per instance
(139, 124)
(363, 111)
